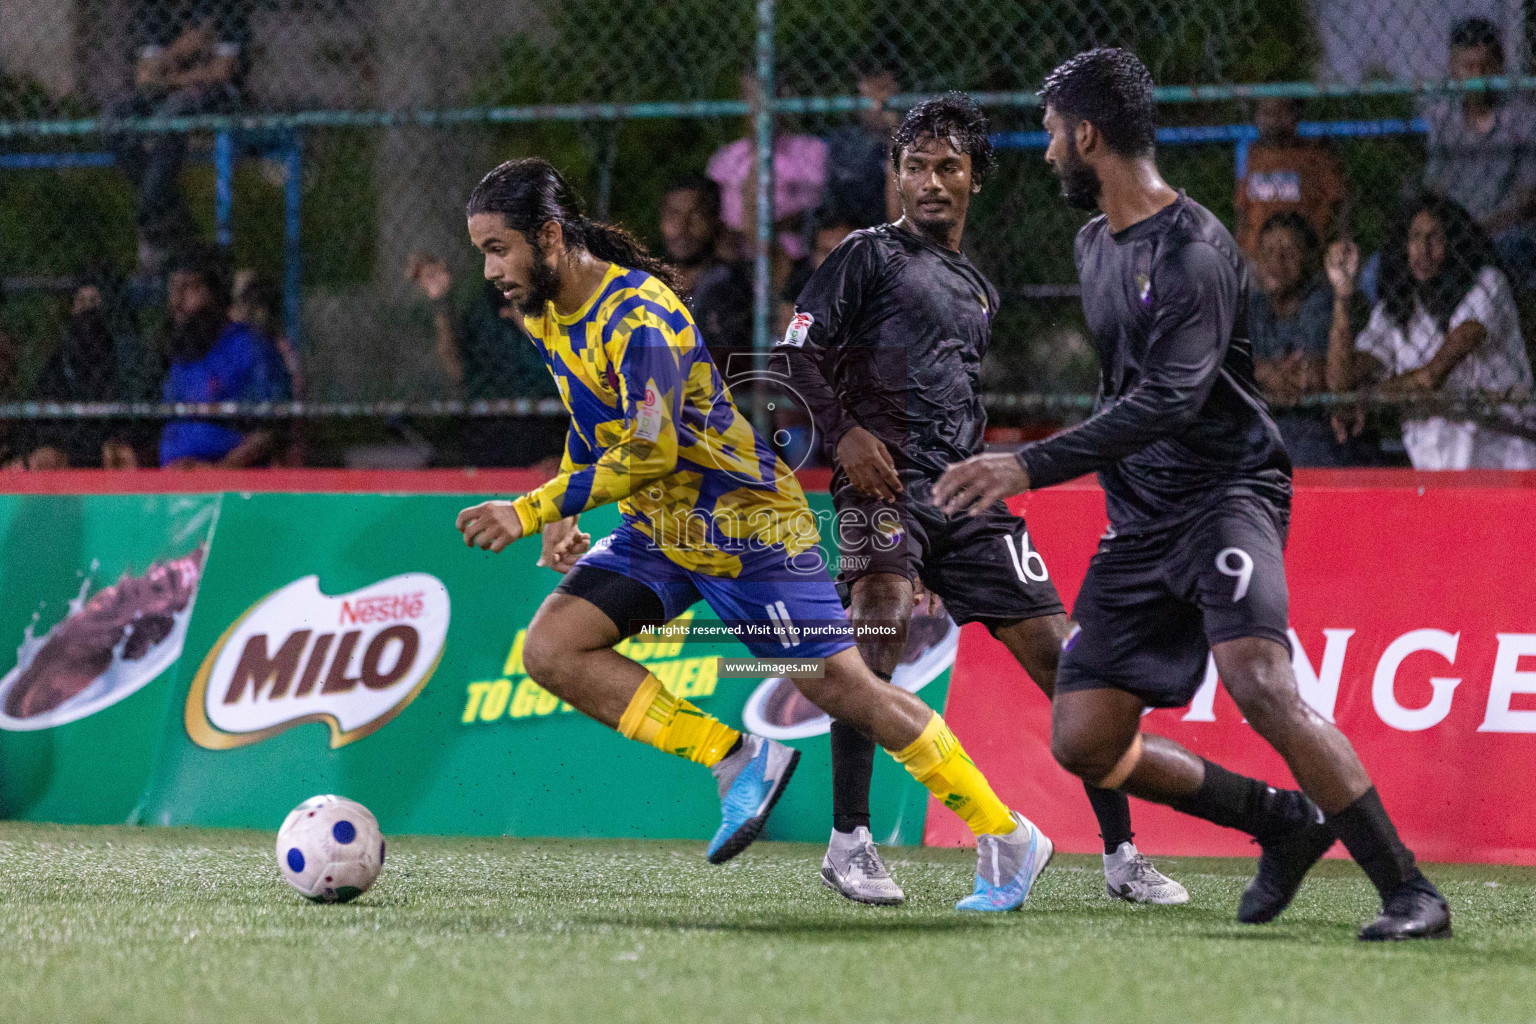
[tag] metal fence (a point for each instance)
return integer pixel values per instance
(329, 146)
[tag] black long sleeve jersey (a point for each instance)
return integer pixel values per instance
(1179, 423)
(889, 334)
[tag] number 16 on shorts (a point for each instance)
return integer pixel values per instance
(1027, 561)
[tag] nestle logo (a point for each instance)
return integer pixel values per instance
(277, 666)
(384, 608)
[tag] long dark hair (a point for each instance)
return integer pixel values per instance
(1468, 250)
(530, 193)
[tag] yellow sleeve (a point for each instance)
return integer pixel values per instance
(651, 390)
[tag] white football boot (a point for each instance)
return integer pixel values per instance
(853, 867)
(1129, 876)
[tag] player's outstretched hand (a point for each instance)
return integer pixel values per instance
(868, 463)
(973, 485)
(490, 525)
(564, 543)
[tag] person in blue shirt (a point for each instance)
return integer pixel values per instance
(215, 360)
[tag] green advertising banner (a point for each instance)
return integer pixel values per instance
(351, 643)
(96, 593)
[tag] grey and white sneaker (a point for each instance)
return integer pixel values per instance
(852, 867)
(1129, 876)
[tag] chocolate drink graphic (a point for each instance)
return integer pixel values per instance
(123, 622)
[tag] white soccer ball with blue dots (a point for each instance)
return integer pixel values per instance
(330, 849)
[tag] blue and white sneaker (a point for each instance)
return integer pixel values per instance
(1007, 866)
(751, 782)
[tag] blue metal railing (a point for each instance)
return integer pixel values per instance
(224, 155)
(1241, 136)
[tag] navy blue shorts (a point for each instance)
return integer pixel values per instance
(1152, 604)
(782, 606)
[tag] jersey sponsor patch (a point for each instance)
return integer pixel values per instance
(648, 422)
(799, 329)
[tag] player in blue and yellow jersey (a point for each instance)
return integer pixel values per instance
(709, 511)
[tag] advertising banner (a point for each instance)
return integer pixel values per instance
(1413, 627)
(213, 659)
(351, 643)
(96, 595)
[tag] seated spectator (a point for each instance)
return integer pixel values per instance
(861, 183)
(1482, 150)
(1445, 325)
(1288, 320)
(189, 59)
(718, 291)
(799, 177)
(1287, 174)
(215, 360)
(7, 388)
(83, 368)
(485, 353)
(258, 304)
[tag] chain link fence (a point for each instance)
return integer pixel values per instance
(328, 146)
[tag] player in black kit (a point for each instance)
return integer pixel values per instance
(886, 348)
(1198, 488)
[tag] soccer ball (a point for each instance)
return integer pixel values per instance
(330, 849)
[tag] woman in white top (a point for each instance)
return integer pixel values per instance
(1446, 324)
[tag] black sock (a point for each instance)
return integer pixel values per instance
(1113, 810)
(1248, 805)
(1371, 838)
(853, 763)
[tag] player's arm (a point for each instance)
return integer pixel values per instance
(827, 305)
(651, 390)
(492, 525)
(1197, 294)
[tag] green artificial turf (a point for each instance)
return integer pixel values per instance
(130, 924)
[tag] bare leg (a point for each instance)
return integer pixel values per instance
(569, 651)
(1258, 675)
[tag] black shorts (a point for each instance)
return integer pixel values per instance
(983, 567)
(1152, 605)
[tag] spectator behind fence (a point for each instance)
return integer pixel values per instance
(799, 178)
(1445, 325)
(485, 353)
(189, 58)
(861, 188)
(1482, 150)
(1288, 320)
(7, 386)
(82, 368)
(718, 291)
(1287, 174)
(214, 359)
(257, 303)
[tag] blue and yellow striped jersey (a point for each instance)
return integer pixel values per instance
(654, 428)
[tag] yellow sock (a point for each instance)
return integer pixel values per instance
(672, 724)
(938, 761)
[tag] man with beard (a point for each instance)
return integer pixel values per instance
(886, 348)
(214, 360)
(1198, 487)
(709, 512)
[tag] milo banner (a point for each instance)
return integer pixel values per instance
(215, 659)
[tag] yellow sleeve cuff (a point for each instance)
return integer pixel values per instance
(527, 515)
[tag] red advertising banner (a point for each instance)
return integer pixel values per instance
(1413, 627)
